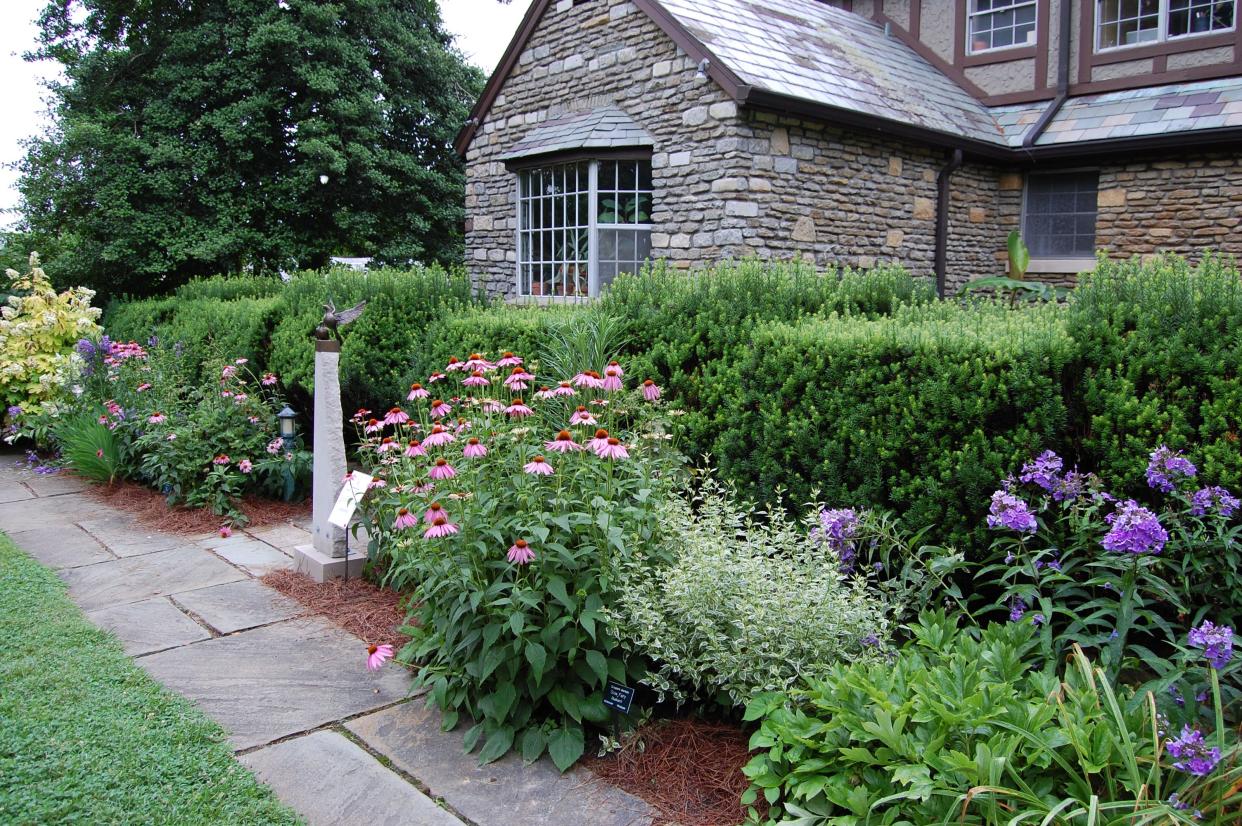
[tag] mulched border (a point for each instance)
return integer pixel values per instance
(151, 509)
(367, 611)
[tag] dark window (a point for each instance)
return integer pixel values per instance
(1060, 214)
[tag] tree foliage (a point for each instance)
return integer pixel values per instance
(191, 138)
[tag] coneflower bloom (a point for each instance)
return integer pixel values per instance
(434, 512)
(476, 379)
(563, 389)
(361, 415)
(377, 655)
(599, 442)
(520, 553)
(612, 449)
(454, 363)
(275, 445)
(588, 379)
(439, 528)
(616, 365)
(396, 416)
(477, 362)
(225, 531)
(417, 391)
(244, 465)
(538, 466)
(441, 470)
(226, 394)
(507, 359)
(268, 380)
(415, 448)
(582, 416)
(438, 436)
(423, 487)
(612, 379)
(142, 387)
(474, 449)
(404, 520)
(518, 409)
(651, 390)
(439, 409)
(563, 443)
(517, 379)
(463, 425)
(373, 426)
(222, 460)
(157, 418)
(389, 443)
(492, 406)
(543, 392)
(435, 377)
(375, 483)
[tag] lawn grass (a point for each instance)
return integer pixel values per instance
(87, 737)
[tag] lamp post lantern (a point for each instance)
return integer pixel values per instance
(287, 420)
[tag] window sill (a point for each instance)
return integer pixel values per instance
(1074, 266)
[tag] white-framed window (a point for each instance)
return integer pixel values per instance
(1058, 215)
(1121, 23)
(580, 224)
(999, 24)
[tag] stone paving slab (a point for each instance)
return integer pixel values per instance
(236, 606)
(331, 781)
(142, 577)
(126, 536)
(29, 514)
(258, 558)
(57, 484)
(67, 546)
(12, 490)
(147, 626)
(281, 536)
(278, 680)
(534, 795)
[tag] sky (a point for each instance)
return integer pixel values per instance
(482, 27)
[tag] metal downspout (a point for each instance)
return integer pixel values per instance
(942, 218)
(1063, 55)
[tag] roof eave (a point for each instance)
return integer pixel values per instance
(1198, 138)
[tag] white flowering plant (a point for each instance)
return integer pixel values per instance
(503, 505)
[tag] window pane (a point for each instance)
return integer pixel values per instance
(1060, 215)
(1001, 23)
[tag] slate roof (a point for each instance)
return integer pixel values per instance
(810, 50)
(603, 128)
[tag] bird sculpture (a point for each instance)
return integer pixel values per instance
(334, 320)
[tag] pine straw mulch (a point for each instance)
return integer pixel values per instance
(689, 770)
(371, 613)
(152, 510)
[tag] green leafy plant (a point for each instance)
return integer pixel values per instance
(87, 447)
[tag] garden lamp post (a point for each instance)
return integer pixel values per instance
(287, 419)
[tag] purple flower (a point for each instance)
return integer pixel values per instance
(1017, 609)
(1008, 511)
(1134, 530)
(1191, 754)
(1164, 466)
(1070, 486)
(1214, 498)
(1044, 470)
(1038, 619)
(837, 529)
(1216, 642)
(86, 349)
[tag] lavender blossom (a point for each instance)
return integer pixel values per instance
(1008, 511)
(86, 349)
(1071, 486)
(837, 529)
(1216, 642)
(1017, 609)
(1191, 754)
(1214, 498)
(1134, 530)
(1044, 470)
(1164, 466)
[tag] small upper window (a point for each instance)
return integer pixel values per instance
(1120, 23)
(1000, 24)
(1059, 220)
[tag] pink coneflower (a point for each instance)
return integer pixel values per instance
(599, 442)
(373, 426)
(612, 379)
(226, 531)
(375, 483)
(651, 390)
(172, 437)
(222, 460)
(563, 443)
(417, 391)
(377, 655)
(463, 425)
(613, 449)
(434, 512)
(517, 379)
(518, 409)
(361, 416)
(492, 406)
(507, 359)
(582, 416)
(439, 528)
(157, 418)
(268, 380)
(543, 392)
(477, 362)
(600, 402)
(438, 436)
(476, 379)
(275, 445)
(143, 387)
(404, 520)
(439, 409)
(99, 453)
(563, 389)
(589, 379)
(389, 443)
(615, 365)
(415, 448)
(474, 449)
(454, 363)
(226, 394)
(103, 419)
(239, 398)
(253, 419)
(245, 466)
(396, 415)
(520, 553)
(241, 361)
(423, 486)
(441, 470)
(228, 372)
(435, 377)
(539, 467)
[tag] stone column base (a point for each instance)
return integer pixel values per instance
(321, 567)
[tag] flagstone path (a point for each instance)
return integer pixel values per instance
(339, 744)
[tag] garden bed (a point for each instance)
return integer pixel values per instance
(371, 613)
(151, 509)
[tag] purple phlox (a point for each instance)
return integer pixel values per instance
(1192, 754)
(1214, 498)
(1134, 529)
(1216, 642)
(1165, 466)
(1008, 511)
(1044, 470)
(837, 529)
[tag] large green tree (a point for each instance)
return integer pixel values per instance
(193, 137)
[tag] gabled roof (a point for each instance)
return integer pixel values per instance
(604, 128)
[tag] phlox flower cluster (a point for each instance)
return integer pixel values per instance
(1192, 754)
(1216, 642)
(1134, 529)
(1165, 467)
(1011, 512)
(837, 530)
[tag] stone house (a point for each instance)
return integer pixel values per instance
(857, 131)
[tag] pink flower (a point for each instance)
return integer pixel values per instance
(589, 380)
(612, 379)
(239, 398)
(439, 409)
(613, 365)
(613, 449)
(582, 416)
(424, 487)
(275, 445)
(518, 409)
(438, 436)
(441, 527)
(157, 418)
(463, 425)
(375, 483)
(99, 453)
(507, 359)
(415, 448)
(539, 467)
(142, 387)
(172, 437)
(492, 406)
(396, 416)
(404, 520)
(240, 361)
(377, 655)
(417, 391)
(435, 377)
(520, 553)
(222, 460)
(268, 380)
(361, 416)
(563, 389)
(563, 443)
(104, 420)
(389, 443)
(543, 393)
(373, 426)
(476, 379)
(651, 390)
(226, 531)
(434, 512)
(477, 362)
(252, 419)
(228, 372)
(245, 466)
(441, 470)
(517, 379)
(474, 449)
(599, 442)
